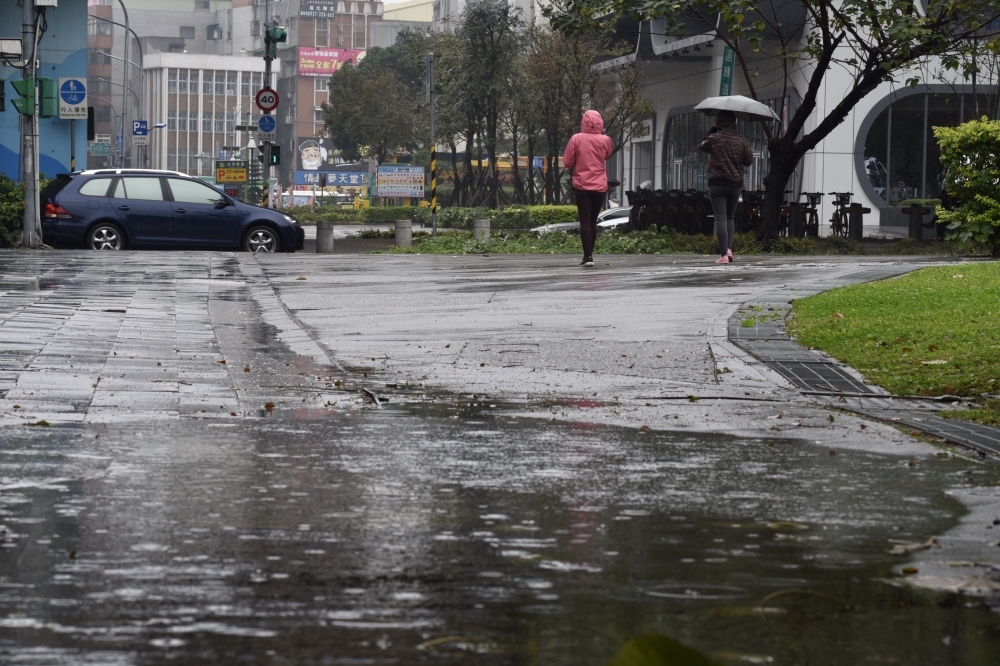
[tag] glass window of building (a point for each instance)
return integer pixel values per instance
(230, 123)
(193, 120)
(231, 83)
(172, 159)
(686, 167)
(322, 32)
(187, 32)
(171, 120)
(171, 80)
(182, 81)
(206, 122)
(206, 83)
(182, 121)
(220, 84)
(321, 84)
(220, 123)
(245, 84)
(318, 115)
(642, 163)
(358, 21)
(256, 82)
(902, 159)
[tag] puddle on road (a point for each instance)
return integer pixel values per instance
(388, 535)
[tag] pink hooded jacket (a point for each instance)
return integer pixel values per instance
(586, 153)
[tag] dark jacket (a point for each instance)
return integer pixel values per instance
(730, 152)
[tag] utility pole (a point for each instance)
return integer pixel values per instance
(121, 129)
(31, 229)
(273, 35)
(434, 168)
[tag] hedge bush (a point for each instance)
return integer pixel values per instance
(969, 156)
(389, 214)
(304, 214)
(11, 211)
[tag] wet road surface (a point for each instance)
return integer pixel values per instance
(266, 510)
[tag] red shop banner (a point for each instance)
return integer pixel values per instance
(324, 62)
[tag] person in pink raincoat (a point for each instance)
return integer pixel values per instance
(586, 154)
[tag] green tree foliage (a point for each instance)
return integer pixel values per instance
(873, 42)
(970, 154)
(11, 211)
(504, 91)
(371, 111)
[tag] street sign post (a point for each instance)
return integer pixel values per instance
(231, 171)
(99, 148)
(400, 181)
(72, 99)
(267, 99)
(140, 133)
(266, 127)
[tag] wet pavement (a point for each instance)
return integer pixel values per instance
(212, 458)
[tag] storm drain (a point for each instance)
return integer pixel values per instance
(759, 329)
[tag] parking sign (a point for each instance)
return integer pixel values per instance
(140, 133)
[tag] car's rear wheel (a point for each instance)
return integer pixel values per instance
(262, 239)
(106, 236)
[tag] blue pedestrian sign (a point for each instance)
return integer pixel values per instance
(266, 124)
(72, 99)
(266, 127)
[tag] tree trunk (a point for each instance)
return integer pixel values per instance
(531, 166)
(515, 172)
(782, 167)
(456, 180)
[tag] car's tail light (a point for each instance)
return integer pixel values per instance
(53, 211)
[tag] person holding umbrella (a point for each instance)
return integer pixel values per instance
(729, 152)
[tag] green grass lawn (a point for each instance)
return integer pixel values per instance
(932, 332)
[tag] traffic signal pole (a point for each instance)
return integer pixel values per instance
(31, 228)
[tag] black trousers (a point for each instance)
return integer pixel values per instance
(588, 205)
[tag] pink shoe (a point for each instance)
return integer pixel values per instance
(729, 253)
(722, 260)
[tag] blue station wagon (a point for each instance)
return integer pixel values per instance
(117, 209)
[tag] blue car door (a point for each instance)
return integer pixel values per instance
(203, 216)
(144, 211)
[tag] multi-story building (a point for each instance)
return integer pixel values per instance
(328, 33)
(201, 99)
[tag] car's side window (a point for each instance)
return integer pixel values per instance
(144, 189)
(119, 190)
(96, 187)
(189, 191)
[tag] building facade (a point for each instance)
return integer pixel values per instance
(883, 153)
(62, 52)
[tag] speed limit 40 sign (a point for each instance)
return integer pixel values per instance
(267, 99)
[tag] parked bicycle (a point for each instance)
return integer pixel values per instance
(813, 200)
(841, 214)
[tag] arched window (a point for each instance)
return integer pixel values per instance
(900, 158)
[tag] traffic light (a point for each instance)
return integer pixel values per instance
(260, 151)
(26, 89)
(48, 98)
(275, 154)
(272, 36)
(3, 96)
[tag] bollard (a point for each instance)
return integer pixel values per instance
(856, 221)
(916, 214)
(324, 237)
(404, 233)
(480, 229)
(796, 220)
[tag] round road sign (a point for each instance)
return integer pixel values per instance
(267, 99)
(266, 124)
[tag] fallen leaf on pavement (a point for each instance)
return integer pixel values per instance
(907, 548)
